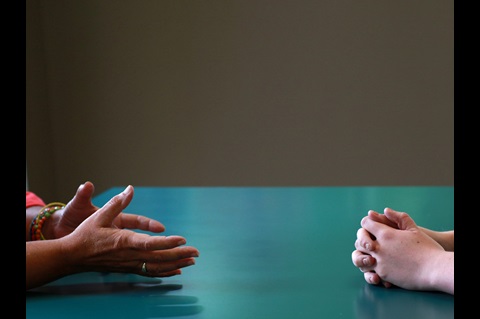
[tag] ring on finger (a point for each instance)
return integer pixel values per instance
(144, 268)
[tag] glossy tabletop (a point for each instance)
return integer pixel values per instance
(265, 252)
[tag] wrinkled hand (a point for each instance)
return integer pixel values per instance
(81, 207)
(102, 245)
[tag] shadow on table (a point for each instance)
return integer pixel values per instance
(100, 288)
(117, 297)
(379, 302)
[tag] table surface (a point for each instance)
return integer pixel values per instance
(265, 252)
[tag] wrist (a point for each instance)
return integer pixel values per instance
(44, 223)
(441, 272)
(49, 229)
(32, 212)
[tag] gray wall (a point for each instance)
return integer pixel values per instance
(248, 92)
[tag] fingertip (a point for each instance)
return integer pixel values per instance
(156, 227)
(372, 278)
(85, 190)
(80, 188)
(372, 213)
(369, 278)
(128, 190)
(127, 195)
(368, 246)
(86, 185)
(363, 221)
(366, 261)
(389, 210)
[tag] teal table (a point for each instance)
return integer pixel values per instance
(265, 252)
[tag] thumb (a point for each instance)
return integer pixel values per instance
(83, 197)
(85, 191)
(114, 207)
(403, 220)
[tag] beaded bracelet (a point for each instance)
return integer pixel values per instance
(39, 220)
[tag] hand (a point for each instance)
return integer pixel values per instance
(81, 207)
(366, 262)
(397, 251)
(101, 245)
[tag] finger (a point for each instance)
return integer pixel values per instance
(174, 254)
(372, 278)
(381, 218)
(146, 242)
(132, 221)
(364, 241)
(165, 269)
(83, 197)
(363, 261)
(373, 227)
(85, 191)
(403, 220)
(114, 206)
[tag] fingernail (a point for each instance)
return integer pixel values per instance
(365, 261)
(127, 189)
(368, 246)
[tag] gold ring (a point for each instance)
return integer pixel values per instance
(144, 268)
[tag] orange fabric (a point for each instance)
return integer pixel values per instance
(33, 200)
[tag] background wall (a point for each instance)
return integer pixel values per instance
(238, 93)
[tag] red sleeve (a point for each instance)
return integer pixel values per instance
(34, 200)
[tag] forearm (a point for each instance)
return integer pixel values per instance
(444, 238)
(46, 261)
